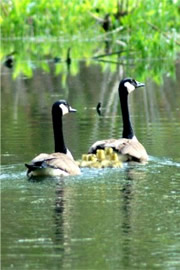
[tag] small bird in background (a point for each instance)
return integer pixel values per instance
(99, 108)
(9, 61)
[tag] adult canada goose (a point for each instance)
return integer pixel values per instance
(128, 146)
(61, 162)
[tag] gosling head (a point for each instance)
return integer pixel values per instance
(114, 157)
(128, 85)
(85, 157)
(62, 107)
(92, 157)
(108, 151)
(100, 154)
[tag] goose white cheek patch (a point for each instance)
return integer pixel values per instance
(64, 109)
(130, 87)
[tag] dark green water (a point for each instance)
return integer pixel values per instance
(103, 219)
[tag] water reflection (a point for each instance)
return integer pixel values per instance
(103, 219)
(122, 215)
(128, 208)
(25, 56)
(59, 217)
(72, 199)
(127, 196)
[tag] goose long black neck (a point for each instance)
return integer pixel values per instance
(58, 132)
(127, 127)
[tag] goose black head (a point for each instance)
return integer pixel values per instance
(129, 85)
(62, 106)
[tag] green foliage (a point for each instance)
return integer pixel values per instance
(39, 31)
(153, 27)
(45, 18)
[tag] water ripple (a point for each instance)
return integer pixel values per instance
(164, 161)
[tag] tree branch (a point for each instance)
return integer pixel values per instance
(155, 28)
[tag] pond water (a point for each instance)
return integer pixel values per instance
(102, 219)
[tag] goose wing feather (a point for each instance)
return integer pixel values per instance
(41, 157)
(56, 161)
(101, 145)
(131, 148)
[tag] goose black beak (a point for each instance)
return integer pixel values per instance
(71, 109)
(139, 84)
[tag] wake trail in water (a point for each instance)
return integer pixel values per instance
(164, 161)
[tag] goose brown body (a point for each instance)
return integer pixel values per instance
(53, 164)
(129, 149)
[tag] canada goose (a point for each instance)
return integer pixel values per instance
(61, 162)
(128, 146)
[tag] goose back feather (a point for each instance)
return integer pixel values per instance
(55, 164)
(128, 149)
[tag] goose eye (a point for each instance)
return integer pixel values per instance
(133, 81)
